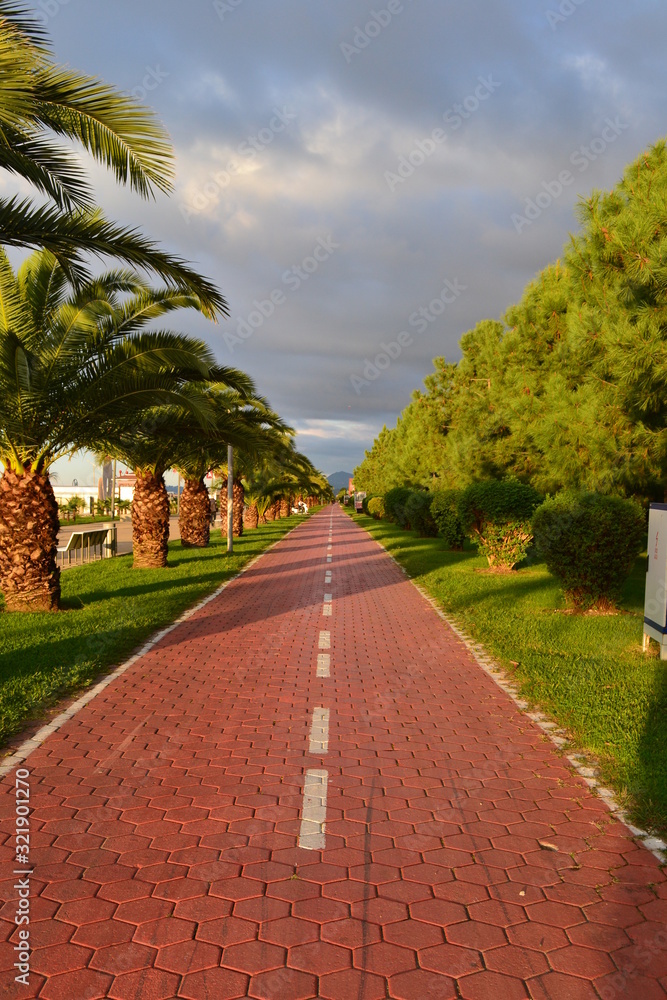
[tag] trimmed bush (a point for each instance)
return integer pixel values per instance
(497, 514)
(365, 502)
(418, 513)
(590, 542)
(376, 507)
(445, 513)
(395, 503)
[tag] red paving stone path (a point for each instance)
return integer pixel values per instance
(166, 816)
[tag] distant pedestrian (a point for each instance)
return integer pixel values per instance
(214, 510)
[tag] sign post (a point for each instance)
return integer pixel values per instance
(655, 601)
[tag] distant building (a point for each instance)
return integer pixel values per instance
(88, 494)
(125, 483)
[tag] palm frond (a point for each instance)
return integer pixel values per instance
(69, 236)
(116, 130)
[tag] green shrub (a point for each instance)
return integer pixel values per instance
(497, 514)
(376, 507)
(418, 513)
(444, 511)
(365, 502)
(395, 503)
(590, 542)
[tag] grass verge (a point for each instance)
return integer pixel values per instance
(109, 610)
(587, 672)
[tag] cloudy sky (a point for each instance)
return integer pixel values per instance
(358, 176)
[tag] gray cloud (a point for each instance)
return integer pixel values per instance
(219, 83)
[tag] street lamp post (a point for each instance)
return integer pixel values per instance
(230, 498)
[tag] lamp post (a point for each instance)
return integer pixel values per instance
(230, 498)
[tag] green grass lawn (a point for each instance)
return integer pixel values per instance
(87, 519)
(587, 672)
(109, 610)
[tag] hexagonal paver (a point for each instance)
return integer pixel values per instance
(319, 957)
(451, 960)
(490, 985)
(280, 983)
(84, 984)
(290, 931)
(223, 984)
(384, 959)
(353, 984)
(153, 983)
(254, 957)
(584, 962)
(188, 956)
(513, 960)
(420, 984)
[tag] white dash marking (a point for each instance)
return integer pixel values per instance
(326, 610)
(323, 665)
(327, 576)
(328, 598)
(319, 732)
(328, 558)
(312, 835)
(325, 640)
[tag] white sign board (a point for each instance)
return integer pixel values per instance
(655, 601)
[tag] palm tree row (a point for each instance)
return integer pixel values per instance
(79, 368)
(81, 364)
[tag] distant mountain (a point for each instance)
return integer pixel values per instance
(339, 480)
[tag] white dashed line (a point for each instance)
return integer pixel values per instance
(326, 610)
(328, 558)
(323, 665)
(319, 732)
(327, 576)
(311, 835)
(328, 598)
(325, 640)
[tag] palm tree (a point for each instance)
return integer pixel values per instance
(254, 430)
(238, 420)
(40, 101)
(73, 364)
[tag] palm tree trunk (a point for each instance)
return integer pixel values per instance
(237, 501)
(150, 521)
(29, 575)
(195, 517)
(251, 518)
(270, 512)
(285, 507)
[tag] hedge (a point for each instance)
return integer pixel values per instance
(497, 514)
(444, 511)
(590, 542)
